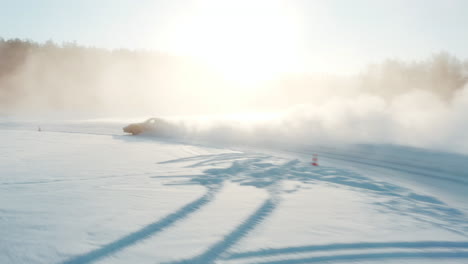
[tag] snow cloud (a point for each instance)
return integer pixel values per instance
(417, 118)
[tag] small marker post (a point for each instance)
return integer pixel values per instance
(315, 159)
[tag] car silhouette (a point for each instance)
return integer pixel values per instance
(155, 127)
(149, 125)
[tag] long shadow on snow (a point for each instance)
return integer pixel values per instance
(217, 250)
(217, 176)
(397, 166)
(347, 246)
(373, 256)
(263, 171)
(144, 232)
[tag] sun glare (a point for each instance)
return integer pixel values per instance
(245, 41)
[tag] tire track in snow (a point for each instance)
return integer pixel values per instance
(80, 132)
(146, 231)
(83, 179)
(64, 132)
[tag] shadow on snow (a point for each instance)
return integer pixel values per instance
(347, 246)
(144, 232)
(267, 172)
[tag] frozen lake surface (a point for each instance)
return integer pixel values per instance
(82, 192)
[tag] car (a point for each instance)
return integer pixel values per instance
(155, 127)
(149, 125)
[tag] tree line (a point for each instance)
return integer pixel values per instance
(69, 76)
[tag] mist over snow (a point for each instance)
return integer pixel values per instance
(233, 132)
(416, 103)
(417, 118)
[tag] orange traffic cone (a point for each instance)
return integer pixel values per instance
(315, 160)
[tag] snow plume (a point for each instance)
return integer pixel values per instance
(417, 118)
(420, 104)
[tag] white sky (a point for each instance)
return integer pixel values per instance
(326, 36)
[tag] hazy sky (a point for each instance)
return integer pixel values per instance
(334, 36)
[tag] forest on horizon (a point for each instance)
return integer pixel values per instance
(70, 77)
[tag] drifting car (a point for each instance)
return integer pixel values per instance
(154, 126)
(149, 125)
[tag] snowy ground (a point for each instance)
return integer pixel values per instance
(86, 193)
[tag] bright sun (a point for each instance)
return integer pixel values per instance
(245, 41)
